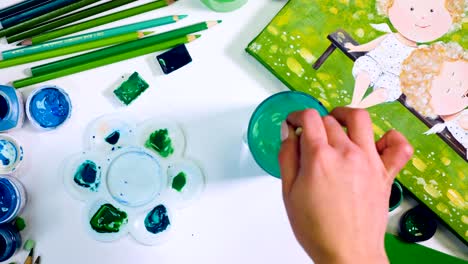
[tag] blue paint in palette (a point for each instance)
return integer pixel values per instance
(157, 220)
(10, 241)
(49, 107)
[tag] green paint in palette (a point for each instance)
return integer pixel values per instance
(264, 132)
(108, 219)
(179, 181)
(129, 90)
(160, 142)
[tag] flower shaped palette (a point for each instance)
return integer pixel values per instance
(132, 177)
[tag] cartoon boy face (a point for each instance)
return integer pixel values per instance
(420, 20)
(449, 92)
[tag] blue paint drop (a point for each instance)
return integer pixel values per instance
(87, 176)
(50, 107)
(157, 220)
(113, 138)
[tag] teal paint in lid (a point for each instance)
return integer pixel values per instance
(224, 5)
(264, 132)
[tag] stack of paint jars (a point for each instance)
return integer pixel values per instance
(47, 108)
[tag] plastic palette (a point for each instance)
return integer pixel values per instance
(131, 184)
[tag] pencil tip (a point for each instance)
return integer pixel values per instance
(170, 2)
(31, 253)
(38, 260)
(25, 42)
(148, 33)
(182, 16)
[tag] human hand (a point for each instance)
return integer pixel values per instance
(336, 185)
(351, 47)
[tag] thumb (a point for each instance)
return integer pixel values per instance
(288, 157)
(395, 152)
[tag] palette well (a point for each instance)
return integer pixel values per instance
(132, 177)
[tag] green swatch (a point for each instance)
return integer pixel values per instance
(108, 219)
(131, 89)
(179, 181)
(160, 142)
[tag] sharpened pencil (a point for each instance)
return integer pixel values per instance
(103, 62)
(73, 49)
(65, 20)
(101, 20)
(83, 38)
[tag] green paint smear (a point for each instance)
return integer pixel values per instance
(298, 35)
(160, 142)
(179, 181)
(129, 90)
(157, 220)
(87, 176)
(108, 219)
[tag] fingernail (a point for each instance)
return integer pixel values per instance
(284, 131)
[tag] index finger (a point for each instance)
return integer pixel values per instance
(358, 124)
(313, 130)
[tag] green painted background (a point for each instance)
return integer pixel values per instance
(296, 37)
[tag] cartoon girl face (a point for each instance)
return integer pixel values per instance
(449, 92)
(420, 20)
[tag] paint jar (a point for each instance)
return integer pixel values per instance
(48, 107)
(12, 198)
(396, 196)
(11, 108)
(224, 5)
(11, 155)
(10, 241)
(264, 131)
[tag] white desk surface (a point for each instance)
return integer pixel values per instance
(240, 218)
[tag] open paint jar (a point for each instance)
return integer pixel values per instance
(48, 107)
(224, 5)
(264, 131)
(11, 108)
(11, 155)
(12, 198)
(10, 241)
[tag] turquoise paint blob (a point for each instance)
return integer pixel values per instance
(10, 242)
(8, 153)
(88, 175)
(12, 199)
(49, 107)
(157, 220)
(264, 132)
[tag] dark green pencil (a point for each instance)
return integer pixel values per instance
(133, 45)
(46, 17)
(101, 20)
(65, 20)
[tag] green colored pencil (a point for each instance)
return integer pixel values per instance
(84, 38)
(101, 20)
(68, 19)
(73, 49)
(124, 47)
(106, 61)
(46, 17)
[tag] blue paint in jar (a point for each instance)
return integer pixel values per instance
(12, 198)
(49, 107)
(10, 241)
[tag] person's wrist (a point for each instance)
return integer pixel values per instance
(351, 257)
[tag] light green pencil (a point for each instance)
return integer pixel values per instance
(101, 20)
(106, 61)
(96, 35)
(74, 49)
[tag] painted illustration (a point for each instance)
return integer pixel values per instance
(435, 82)
(309, 46)
(416, 21)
